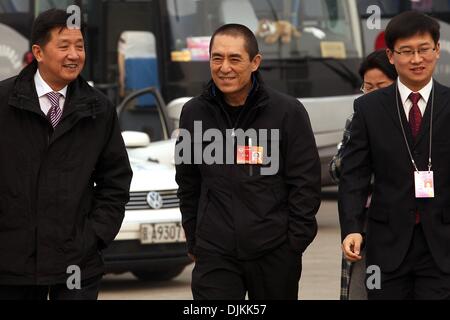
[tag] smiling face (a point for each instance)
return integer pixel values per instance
(231, 68)
(62, 58)
(415, 71)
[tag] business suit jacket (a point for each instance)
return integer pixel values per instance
(377, 147)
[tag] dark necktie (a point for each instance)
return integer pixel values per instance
(415, 119)
(415, 116)
(55, 112)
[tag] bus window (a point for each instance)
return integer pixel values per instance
(387, 7)
(236, 11)
(286, 29)
(14, 6)
(311, 50)
(43, 5)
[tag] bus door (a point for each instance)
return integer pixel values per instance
(107, 21)
(138, 64)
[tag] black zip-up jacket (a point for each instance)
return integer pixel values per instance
(62, 192)
(233, 209)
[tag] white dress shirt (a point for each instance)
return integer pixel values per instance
(42, 88)
(407, 103)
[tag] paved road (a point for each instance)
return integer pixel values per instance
(320, 276)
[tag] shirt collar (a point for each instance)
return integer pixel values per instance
(405, 91)
(42, 88)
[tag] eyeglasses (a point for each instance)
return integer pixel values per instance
(407, 53)
(362, 88)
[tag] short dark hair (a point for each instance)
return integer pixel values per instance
(46, 22)
(238, 30)
(378, 60)
(408, 24)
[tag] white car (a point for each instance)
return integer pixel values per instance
(151, 242)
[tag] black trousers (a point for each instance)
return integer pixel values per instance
(273, 276)
(89, 291)
(417, 278)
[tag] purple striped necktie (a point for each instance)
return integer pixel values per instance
(55, 112)
(415, 120)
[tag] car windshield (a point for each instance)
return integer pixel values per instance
(286, 29)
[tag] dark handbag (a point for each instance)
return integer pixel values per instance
(334, 168)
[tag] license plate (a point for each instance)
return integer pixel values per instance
(162, 233)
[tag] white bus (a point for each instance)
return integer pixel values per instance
(317, 62)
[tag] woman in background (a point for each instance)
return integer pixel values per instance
(377, 72)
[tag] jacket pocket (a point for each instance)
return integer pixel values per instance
(204, 203)
(14, 169)
(280, 193)
(262, 196)
(379, 215)
(90, 239)
(82, 244)
(14, 246)
(13, 214)
(446, 216)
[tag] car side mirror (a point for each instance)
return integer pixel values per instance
(135, 139)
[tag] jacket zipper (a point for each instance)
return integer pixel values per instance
(36, 200)
(35, 208)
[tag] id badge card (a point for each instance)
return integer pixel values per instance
(424, 183)
(249, 155)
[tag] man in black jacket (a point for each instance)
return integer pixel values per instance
(249, 198)
(64, 171)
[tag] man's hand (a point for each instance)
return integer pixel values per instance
(351, 246)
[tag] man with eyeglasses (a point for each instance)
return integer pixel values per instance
(401, 135)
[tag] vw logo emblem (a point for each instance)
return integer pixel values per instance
(154, 200)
